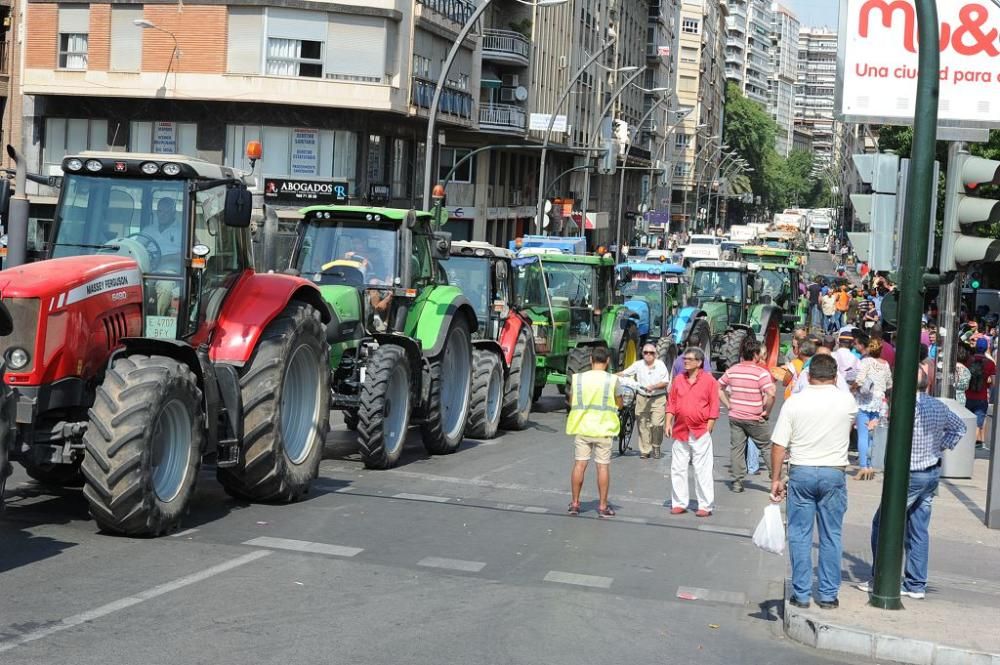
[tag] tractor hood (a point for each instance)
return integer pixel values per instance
(345, 305)
(71, 279)
(643, 308)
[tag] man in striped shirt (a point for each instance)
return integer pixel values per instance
(747, 390)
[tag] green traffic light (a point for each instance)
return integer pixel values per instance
(974, 284)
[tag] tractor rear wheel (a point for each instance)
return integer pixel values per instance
(520, 387)
(487, 395)
(701, 337)
(384, 415)
(729, 352)
(577, 362)
(55, 475)
(143, 445)
(351, 420)
(5, 437)
(448, 404)
(666, 351)
(286, 409)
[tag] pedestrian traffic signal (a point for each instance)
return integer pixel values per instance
(963, 212)
(878, 209)
(975, 280)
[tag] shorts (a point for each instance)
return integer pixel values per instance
(978, 407)
(596, 446)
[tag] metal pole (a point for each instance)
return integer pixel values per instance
(539, 206)
(621, 180)
(889, 554)
(950, 293)
(436, 101)
(993, 477)
(17, 216)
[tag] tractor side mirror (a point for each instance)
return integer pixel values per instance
(624, 275)
(441, 245)
(239, 203)
(500, 270)
(6, 323)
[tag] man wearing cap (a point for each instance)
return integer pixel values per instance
(847, 363)
(653, 378)
(977, 395)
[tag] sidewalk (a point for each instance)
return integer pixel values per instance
(958, 622)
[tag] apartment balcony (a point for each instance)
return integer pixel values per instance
(5, 54)
(503, 119)
(454, 102)
(457, 11)
(507, 47)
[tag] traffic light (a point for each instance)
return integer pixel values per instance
(975, 280)
(962, 211)
(878, 209)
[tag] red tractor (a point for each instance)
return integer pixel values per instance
(144, 342)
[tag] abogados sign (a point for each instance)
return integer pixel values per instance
(877, 62)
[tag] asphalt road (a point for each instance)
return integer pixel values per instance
(466, 559)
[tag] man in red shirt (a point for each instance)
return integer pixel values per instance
(692, 409)
(747, 390)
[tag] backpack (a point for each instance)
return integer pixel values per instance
(977, 380)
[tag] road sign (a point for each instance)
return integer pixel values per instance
(877, 63)
(539, 122)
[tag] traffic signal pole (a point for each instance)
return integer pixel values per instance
(949, 294)
(889, 554)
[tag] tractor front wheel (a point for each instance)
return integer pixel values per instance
(577, 362)
(448, 404)
(487, 395)
(520, 388)
(701, 338)
(143, 445)
(628, 348)
(666, 351)
(384, 415)
(729, 352)
(286, 409)
(351, 420)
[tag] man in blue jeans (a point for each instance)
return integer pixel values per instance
(935, 429)
(814, 426)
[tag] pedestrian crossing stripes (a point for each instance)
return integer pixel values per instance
(594, 581)
(303, 546)
(452, 564)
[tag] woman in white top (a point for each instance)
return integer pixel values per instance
(873, 381)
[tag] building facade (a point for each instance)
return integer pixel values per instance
(814, 91)
(748, 44)
(783, 75)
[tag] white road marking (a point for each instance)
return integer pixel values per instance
(633, 520)
(304, 546)
(452, 564)
(421, 497)
(343, 490)
(594, 581)
(535, 509)
(129, 601)
(181, 534)
(711, 595)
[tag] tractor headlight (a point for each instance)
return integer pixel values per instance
(74, 164)
(17, 359)
(150, 168)
(94, 165)
(171, 169)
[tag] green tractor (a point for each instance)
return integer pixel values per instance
(569, 298)
(401, 336)
(503, 360)
(725, 295)
(778, 282)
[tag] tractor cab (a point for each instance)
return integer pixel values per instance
(654, 293)
(484, 274)
(777, 282)
(182, 220)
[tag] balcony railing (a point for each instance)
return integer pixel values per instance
(458, 11)
(4, 65)
(454, 102)
(503, 117)
(506, 44)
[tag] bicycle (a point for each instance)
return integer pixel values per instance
(626, 419)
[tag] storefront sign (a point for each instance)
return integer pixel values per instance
(165, 138)
(379, 193)
(305, 152)
(299, 191)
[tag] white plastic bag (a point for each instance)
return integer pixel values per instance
(770, 532)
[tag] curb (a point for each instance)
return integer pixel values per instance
(805, 628)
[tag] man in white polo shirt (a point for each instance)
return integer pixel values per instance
(814, 426)
(651, 402)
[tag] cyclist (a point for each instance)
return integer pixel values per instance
(653, 378)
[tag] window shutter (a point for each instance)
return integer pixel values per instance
(356, 47)
(246, 39)
(126, 39)
(296, 24)
(74, 19)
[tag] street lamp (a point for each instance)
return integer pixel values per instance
(697, 198)
(445, 68)
(146, 24)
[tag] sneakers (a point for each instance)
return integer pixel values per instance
(677, 510)
(737, 486)
(828, 604)
(703, 513)
(798, 603)
(644, 456)
(657, 454)
(869, 586)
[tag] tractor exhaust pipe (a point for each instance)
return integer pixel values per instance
(17, 217)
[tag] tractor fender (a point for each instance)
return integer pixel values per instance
(430, 322)
(512, 328)
(254, 302)
(683, 322)
(493, 347)
(642, 309)
(413, 356)
(613, 328)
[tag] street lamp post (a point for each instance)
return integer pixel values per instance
(697, 198)
(146, 24)
(539, 209)
(439, 89)
(728, 160)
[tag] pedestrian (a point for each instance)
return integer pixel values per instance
(847, 363)
(936, 428)
(843, 305)
(593, 419)
(651, 401)
(828, 303)
(871, 387)
(982, 371)
(692, 409)
(962, 373)
(815, 289)
(814, 427)
(888, 350)
(747, 391)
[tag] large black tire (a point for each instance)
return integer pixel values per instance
(666, 351)
(351, 420)
(577, 362)
(700, 337)
(6, 436)
(629, 349)
(487, 395)
(143, 443)
(55, 475)
(447, 408)
(384, 415)
(729, 350)
(537, 393)
(520, 388)
(286, 409)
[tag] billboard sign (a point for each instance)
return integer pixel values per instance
(877, 62)
(539, 122)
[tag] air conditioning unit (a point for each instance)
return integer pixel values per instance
(510, 80)
(507, 94)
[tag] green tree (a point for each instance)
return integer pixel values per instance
(750, 132)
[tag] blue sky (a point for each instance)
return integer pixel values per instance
(815, 13)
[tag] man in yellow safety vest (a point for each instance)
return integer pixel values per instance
(593, 419)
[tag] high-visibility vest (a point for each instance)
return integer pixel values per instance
(593, 410)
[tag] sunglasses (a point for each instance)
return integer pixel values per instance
(649, 353)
